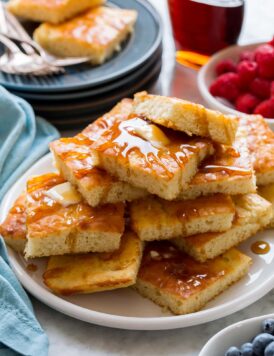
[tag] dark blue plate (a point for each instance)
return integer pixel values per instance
(139, 47)
(130, 78)
(85, 118)
(73, 108)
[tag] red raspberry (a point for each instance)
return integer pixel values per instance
(266, 108)
(246, 103)
(271, 43)
(264, 56)
(272, 90)
(246, 56)
(260, 87)
(226, 86)
(247, 71)
(225, 66)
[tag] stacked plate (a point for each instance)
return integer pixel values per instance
(84, 92)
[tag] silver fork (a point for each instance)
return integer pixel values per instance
(20, 34)
(14, 61)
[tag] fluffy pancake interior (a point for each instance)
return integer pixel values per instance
(95, 272)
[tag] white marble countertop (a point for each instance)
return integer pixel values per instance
(71, 337)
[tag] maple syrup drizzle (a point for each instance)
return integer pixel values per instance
(88, 29)
(231, 170)
(80, 214)
(260, 247)
(169, 268)
(203, 206)
(17, 209)
(76, 152)
(42, 205)
(224, 161)
(122, 140)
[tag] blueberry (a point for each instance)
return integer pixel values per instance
(260, 342)
(247, 349)
(269, 350)
(233, 351)
(268, 326)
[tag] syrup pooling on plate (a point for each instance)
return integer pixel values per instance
(170, 269)
(123, 141)
(260, 247)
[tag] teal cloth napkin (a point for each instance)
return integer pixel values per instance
(23, 139)
(20, 332)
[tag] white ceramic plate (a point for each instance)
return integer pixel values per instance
(124, 308)
(234, 335)
(207, 74)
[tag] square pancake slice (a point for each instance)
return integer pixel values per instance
(253, 213)
(62, 223)
(157, 219)
(228, 171)
(260, 140)
(175, 281)
(95, 272)
(77, 162)
(13, 228)
(159, 160)
(267, 192)
(53, 11)
(96, 34)
(182, 115)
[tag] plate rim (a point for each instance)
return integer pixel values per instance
(136, 64)
(86, 102)
(89, 92)
(239, 324)
(117, 321)
(207, 68)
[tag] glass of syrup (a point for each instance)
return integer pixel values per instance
(203, 27)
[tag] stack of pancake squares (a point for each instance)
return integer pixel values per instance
(77, 28)
(155, 195)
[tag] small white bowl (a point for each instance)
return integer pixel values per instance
(207, 74)
(234, 335)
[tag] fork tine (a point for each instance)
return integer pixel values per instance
(17, 27)
(17, 30)
(8, 43)
(33, 67)
(3, 22)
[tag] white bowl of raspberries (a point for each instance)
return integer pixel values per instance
(240, 79)
(250, 337)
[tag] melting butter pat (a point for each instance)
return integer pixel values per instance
(65, 194)
(153, 134)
